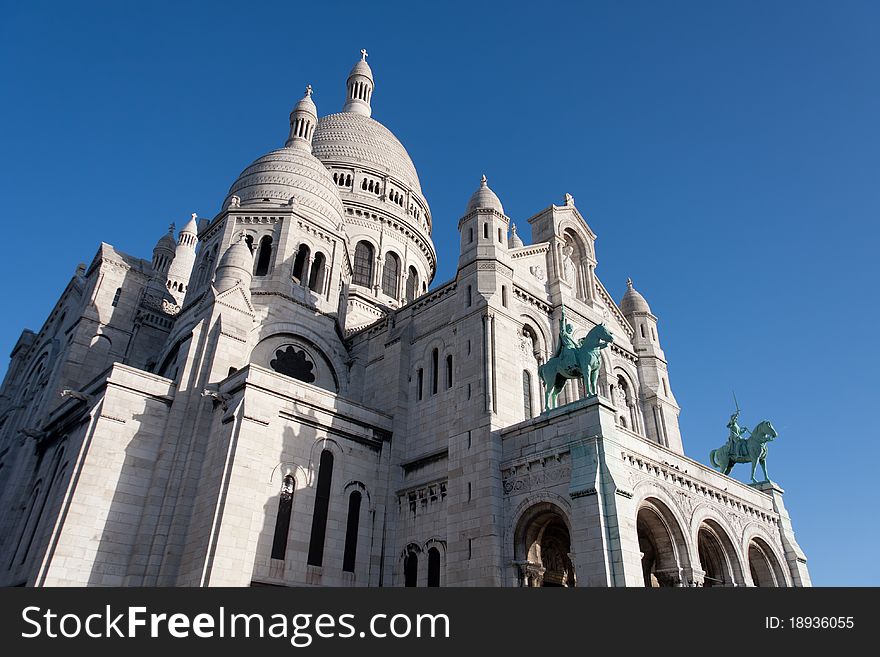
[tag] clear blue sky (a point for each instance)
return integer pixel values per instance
(726, 153)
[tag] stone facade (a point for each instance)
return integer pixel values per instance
(276, 399)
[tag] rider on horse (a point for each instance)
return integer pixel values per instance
(735, 435)
(567, 346)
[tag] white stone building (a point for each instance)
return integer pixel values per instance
(276, 399)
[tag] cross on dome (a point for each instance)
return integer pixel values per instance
(364, 55)
(308, 90)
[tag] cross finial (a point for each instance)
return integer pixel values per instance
(483, 181)
(194, 216)
(308, 90)
(364, 55)
(171, 228)
(629, 282)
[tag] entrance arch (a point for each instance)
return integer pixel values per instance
(764, 567)
(717, 556)
(662, 544)
(543, 547)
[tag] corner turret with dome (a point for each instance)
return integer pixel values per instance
(277, 398)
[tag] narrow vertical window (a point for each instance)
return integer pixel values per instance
(299, 263)
(264, 257)
(448, 371)
(421, 382)
(316, 273)
(665, 387)
(351, 532)
(116, 296)
(390, 274)
(282, 520)
(470, 235)
(527, 394)
(411, 569)
(485, 231)
(435, 374)
(642, 326)
(322, 505)
(499, 237)
(363, 264)
(504, 296)
(433, 567)
(469, 296)
(412, 284)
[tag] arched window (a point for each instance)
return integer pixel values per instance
(316, 274)
(433, 567)
(282, 520)
(412, 284)
(299, 263)
(322, 506)
(435, 374)
(351, 532)
(264, 257)
(116, 296)
(390, 274)
(363, 264)
(249, 240)
(411, 569)
(527, 394)
(448, 371)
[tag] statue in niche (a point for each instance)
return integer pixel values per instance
(235, 202)
(567, 264)
(294, 363)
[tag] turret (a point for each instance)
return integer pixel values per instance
(235, 266)
(359, 88)
(163, 252)
(184, 257)
(483, 227)
(303, 120)
(658, 403)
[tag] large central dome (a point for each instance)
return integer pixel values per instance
(360, 140)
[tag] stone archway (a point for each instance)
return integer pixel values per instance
(661, 543)
(764, 567)
(543, 548)
(717, 556)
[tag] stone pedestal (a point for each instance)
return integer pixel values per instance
(794, 555)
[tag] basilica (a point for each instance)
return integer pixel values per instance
(283, 396)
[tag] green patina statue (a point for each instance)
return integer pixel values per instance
(744, 450)
(573, 360)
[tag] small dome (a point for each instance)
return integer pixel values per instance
(166, 242)
(192, 226)
(235, 264)
(362, 68)
(306, 104)
(285, 174)
(484, 199)
(514, 241)
(632, 301)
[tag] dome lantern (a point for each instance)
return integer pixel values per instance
(303, 120)
(359, 87)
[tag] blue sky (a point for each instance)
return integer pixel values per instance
(726, 154)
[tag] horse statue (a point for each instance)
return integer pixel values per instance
(582, 361)
(752, 449)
